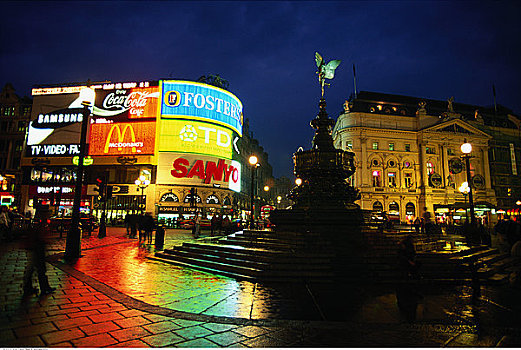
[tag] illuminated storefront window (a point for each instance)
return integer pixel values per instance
(378, 206)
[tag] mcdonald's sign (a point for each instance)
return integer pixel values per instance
(122, 139)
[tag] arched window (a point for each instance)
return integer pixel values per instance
(430, 168)
(378, 206)
(410, 209)
(169, 197)
(189, 197)
(212, 199)
(394, 208)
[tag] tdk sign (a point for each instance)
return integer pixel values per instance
(189, 100)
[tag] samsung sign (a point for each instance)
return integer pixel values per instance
(189, 100)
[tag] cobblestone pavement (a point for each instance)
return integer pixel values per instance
(115, 297)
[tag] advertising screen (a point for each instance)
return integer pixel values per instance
(188, 136)
(189, 169)
(190, 100)
(136, 138)
(55, 124)
(126, 104)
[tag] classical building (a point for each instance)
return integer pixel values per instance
(408, 154)
(15, 113)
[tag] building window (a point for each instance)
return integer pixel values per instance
(430, 150)
(375, 162)
(376, 179)
(392, 179)
(349, 144)
(407, 164)
(407, 147)
(378, 206)
(430, 168)
(408, 180)
(391, 146)
(375, 145)
(450, 152)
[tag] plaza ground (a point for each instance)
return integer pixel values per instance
(114, 296)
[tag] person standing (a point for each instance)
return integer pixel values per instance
(197, 225)
(417, 225)
(213, 224)
(426, 216)
(5, 224)
(35, 245)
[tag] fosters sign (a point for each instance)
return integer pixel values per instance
(189, 100)
(197, 137)
(198, 170)
(122, 139)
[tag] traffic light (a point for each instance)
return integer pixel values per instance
(100, 182)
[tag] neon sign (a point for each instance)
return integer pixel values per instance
(122, 138)
(197, 137)
(126, 104)
(189, 100)
(198, 170)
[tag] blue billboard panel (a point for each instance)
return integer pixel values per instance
(190, 100)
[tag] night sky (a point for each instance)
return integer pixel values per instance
(265, 50)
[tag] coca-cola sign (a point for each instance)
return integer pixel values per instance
(119, 105)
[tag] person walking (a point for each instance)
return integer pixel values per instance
(5, 224)
(213, 224)
(427, 223)
(197, 226)
(35, 245)
(148, 226)
(417, 225)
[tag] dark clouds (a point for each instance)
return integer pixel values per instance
(266, 51)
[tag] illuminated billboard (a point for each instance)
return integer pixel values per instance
(136, 138)
(188, 136)
(55, 124)
(126, 104)
(197, 101)
(198, 170)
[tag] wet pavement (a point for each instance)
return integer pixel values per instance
(114, 296)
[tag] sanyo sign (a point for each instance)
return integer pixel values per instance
(189, 100)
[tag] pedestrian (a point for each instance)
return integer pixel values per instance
(147, 225)
(213, 224)
(197, 226)
(219, 224)
(417, 225)
(35, 245)
(407, 296)
(226, 225)
(427, 224)
(5, 223)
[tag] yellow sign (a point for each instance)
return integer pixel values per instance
(188, 136)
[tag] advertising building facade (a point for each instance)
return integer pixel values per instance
(182, 137)
(408, 155)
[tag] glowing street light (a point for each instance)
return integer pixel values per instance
(466, 148)
(298, 181)
(253, 160)
(465, 189)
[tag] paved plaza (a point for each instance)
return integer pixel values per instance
(115, 296)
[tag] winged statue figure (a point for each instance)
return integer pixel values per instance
(325, 71)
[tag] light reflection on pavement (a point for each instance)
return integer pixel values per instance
(124, 267)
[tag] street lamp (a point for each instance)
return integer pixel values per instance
(298, 181)
(253, 160)
(466, 148)
(73, 240)
(142, 183)
(465, 189)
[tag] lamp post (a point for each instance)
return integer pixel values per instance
(73, 241)
(466, 148)
(253, 160)
(465, 189)
(142, 183)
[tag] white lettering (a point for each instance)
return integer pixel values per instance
(210, 105)
(199, 100)
(207, 132)
(188, 99)
(226, 108)
(220, 135)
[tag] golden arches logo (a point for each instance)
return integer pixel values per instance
(121, 137)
